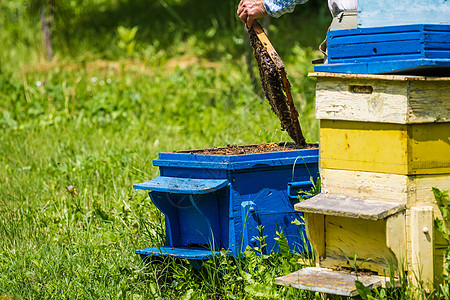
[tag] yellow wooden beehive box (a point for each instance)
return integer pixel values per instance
(384, 123)
(384, 143)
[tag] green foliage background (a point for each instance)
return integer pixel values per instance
(77, 132)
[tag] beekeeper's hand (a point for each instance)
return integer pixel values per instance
(248, 10)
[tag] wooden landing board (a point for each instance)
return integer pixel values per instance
(328, 281)
(406, 149)
(349, 207)
(182, 185)
(406, 100)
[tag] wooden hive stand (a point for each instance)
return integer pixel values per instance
(384, 143)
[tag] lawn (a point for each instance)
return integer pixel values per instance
(77, 132)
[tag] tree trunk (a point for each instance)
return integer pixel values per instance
(47, 26)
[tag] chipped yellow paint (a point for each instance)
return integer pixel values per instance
(406, 149)
(365, 239)
(414, 190)
(315, 230)
(392, 144)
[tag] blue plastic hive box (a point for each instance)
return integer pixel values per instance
(408, 49)
(214, 202)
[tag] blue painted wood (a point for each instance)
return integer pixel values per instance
(391, 49)
(375, 51)
(232, 162)
(194, 255)
(294, 188)
(182, 185)
(180, 252)
(414, 66)
(239, 194)
(388, 13)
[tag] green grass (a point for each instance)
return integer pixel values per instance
(97, 129)
(76, 133)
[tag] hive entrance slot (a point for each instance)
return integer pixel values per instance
(360, 89)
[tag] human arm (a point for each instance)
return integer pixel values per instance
(248, 10)
(277, 8)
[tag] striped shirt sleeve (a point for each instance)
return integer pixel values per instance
(276, 8)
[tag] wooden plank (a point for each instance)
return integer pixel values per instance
(429, 148)
(414, 190)
(381, 186)
(393, 44)
(385, 148)
(315, 231)
(422, 258)
(268, 45)
(385, 101)
(380, 266)
(423, 196)
(428, 102)
(396, 238)
(422, 184)
(367, 38)
(342, 52)
(344, 145)
(182, 185)
(437, 40)
(377, 13)
(411, 63)
(349, 207)
(180, 252)
(328, 281)
(356, 241)
(372, 100)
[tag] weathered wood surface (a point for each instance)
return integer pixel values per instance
(356, 241)
(383, 13)
(414, 190)
(371, 100)
(429, 101)
(410, 189)
(422, 252)
(386, 148)
(315, 231)
(382, 186)
(396, 237)
(349, 207)
(328, 281)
